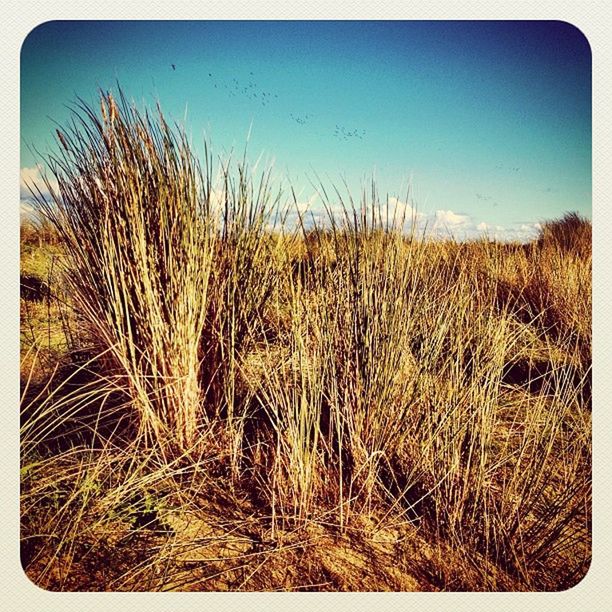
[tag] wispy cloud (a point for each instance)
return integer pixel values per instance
(447, 218)
(404, 210)
(439, 224)
(445, 224)
(32, 178)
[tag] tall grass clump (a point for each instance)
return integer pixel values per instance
(133, 211)
(564, 271)
(367, 312)
(339, 399)
(572, 234)
(548, 285)
(243, 278)
(392, 398)
(509, 445)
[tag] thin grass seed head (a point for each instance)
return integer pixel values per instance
(62, 139)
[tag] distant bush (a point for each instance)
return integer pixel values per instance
(571, 234)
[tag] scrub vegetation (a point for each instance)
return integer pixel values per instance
(215, 400)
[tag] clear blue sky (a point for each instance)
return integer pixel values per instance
(490, 122)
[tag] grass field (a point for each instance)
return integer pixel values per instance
(214, 401)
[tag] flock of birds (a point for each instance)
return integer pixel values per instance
(502, 167)
(486, 198)
(300, 119)
(250, 90)
(343, 134)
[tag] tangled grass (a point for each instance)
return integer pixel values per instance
(247, 406)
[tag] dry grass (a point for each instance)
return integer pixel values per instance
(238, 406)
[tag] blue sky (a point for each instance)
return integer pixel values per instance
(489, 122)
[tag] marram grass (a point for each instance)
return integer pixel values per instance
(244, 405)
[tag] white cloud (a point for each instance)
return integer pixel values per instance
(448, 217)
(33, 178)
(517, 232)
(530, 227)
(403, 209)
(303, 206)
(438, 225)
(523, 232)
(398, 214)
(445, 224)
(308, 210)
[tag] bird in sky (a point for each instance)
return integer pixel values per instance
(173, 66)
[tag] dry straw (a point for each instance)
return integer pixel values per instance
(346, 376)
